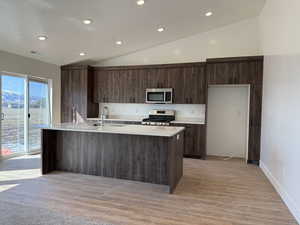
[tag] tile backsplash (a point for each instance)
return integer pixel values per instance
(142, 110)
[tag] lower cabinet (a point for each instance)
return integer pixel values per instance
(194, 140)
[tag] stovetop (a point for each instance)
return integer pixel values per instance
(162, 120)
(159, 118)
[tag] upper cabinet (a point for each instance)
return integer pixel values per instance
(195, 86)
(77, 83)
(239, 70)
(118, 86)
(128, 84)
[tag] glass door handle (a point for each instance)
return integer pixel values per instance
(2, 116)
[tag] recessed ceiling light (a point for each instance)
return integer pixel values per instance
(119, 42)
(160, 29)
(42, 38)
(140, 2)
(82, 54)
(208, 14)
(87, 21)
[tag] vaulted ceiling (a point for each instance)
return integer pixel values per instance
(22, 21)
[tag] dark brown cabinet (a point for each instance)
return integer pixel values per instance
(101, 86)
(128, 84)
(194, 83)
(194, 140)
(77, 92)
(175, 81)
(131, 89)
(118, 86)
(84, 87)
(242, 70)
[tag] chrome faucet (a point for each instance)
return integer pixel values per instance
(102, 120)
(105, 112)
(74, 116)
(104, 115)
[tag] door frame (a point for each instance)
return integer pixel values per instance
(248, 86)
(42, 80)
(27, 78)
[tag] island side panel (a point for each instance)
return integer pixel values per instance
(175, 161)
(133, 157)
(49, 145)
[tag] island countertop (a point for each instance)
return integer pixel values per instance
(161, 131)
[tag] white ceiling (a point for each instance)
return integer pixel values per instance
(21, 21)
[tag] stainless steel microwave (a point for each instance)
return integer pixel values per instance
(159, 95)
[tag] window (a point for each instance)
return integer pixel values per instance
(25, 109)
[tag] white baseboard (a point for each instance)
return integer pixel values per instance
(288, 200)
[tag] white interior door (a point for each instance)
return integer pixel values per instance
(227, 121)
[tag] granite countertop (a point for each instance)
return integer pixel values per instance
(183, 120)
(120, 129)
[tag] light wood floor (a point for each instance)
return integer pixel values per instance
(212, 192)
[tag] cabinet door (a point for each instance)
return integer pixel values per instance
(152, 77)
(101, 87)
(194, 85)
(189, 140)
(194, 140)
(79, 81)
(163, 78)
(189, 84)
(200, 141)
(175, 80)
(141, 77)
(200, 97)
(66, 97)
(112, 87)
(132, 86)
(74, 93)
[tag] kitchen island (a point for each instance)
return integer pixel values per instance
(150, 154)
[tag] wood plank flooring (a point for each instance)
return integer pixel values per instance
(211, 192)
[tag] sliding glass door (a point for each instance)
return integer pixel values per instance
(12, 115)
(24, 111)
(39, 113)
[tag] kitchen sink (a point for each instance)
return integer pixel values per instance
(109, 125)
(116, 125)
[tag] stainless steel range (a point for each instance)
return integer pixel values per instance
(159, 118)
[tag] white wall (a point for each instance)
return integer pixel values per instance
(23, 65)
(280, 147)
(239, 39)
